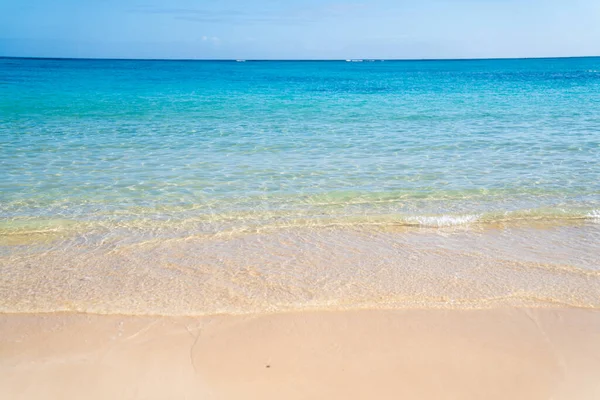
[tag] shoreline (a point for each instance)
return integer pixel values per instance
(308, 270)
(37, 230)
(503, 352)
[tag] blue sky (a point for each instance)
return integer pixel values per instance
(279, 29)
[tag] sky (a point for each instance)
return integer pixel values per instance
(299, 29)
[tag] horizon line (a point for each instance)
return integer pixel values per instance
(291, 59)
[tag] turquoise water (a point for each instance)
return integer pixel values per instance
(226, 145)
(195, 188)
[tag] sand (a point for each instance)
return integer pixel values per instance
(505, 353)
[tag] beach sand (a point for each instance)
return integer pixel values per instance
(502, 353)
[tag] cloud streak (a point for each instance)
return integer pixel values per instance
(213, 39)
(298, 16)
(219, 16)
(186, 11)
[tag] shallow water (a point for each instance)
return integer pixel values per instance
(309, 268)
(309, 172)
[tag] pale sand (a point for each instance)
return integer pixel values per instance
(403, 354)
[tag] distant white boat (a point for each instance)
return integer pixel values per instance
(240, 60)
(354, 60)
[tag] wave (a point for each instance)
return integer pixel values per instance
(261, 221)
(445, 220)
(594, 216)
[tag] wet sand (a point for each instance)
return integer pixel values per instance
(502, 353)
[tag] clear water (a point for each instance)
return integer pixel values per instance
(262, 142)
(99, 151)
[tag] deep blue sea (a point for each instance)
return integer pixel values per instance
(97, 149)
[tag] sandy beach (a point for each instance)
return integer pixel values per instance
(516, 353)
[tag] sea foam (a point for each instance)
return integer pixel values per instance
(444, 220)
(594, 216)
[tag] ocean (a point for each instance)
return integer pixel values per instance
(206, 187)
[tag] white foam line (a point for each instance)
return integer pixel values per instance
(445, 220)
(594, 215)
